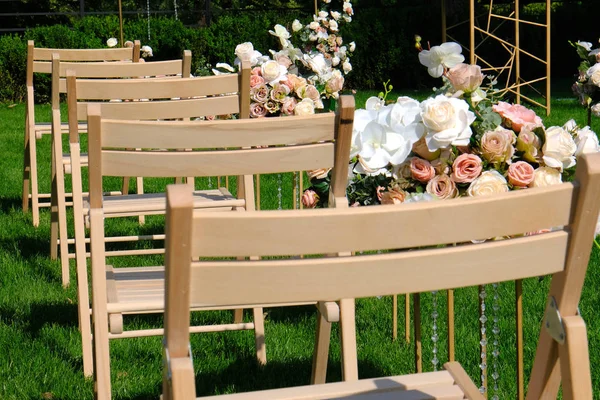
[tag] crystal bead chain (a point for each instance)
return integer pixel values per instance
(434, 335)
(483, 342)
(209, 182)
(496, 340)
(279, 196)
(298, 176)
(148, 17)
(175, 7)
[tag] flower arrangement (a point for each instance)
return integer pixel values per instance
(587, 86)
(145, 50)
(459, 142)
(306, 74)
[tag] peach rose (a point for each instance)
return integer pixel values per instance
(497, 145)
(442, 187)
(421, 170)
(320, 173)
(288, 105)
(465, 77)
(310, 199)
(256, 71)
(520, 174)
(516, 116)
(256, 80)
(395, 195)
(466, 168)
(420, 148)
(257, 110)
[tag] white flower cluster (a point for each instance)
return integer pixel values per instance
(145, 50)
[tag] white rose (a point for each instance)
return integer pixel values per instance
(273, 72)
(112, 42)
(296, 25)
(322, 14)
(282, 34)
(559, 148)
(594, 74)
(489, 182)
(347, 18)
(447, 122)
(318, 64)
(352, 46)
(596, 109)
(335, 61)
(545, 176)
(587, 141)
(305, 107)
(333, 26)
(347, 66)
(314, 25)
(336, 15)
(245, 51)
(146, 51)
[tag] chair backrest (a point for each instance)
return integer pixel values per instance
(39, 59)
(570, 209)
(220, 147)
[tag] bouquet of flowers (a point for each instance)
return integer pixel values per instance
(587, 87)
(307, 72)
(459, 142)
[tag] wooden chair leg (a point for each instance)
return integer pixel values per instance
(321, 353)
(26, 167)
(394, 317)
(125, 186)
(544, 380)
(238, 316)
(259, 334)
(140, 190)
(575, 360)
(348, 339)
(35, 207)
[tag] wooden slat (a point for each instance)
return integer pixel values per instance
(213, 163)
(215, 134)
(241, 282)
(116, 54)
(431, 385)
(325, 231)
(158, 88)
(165, 109)
(463, 381)
(122, 69)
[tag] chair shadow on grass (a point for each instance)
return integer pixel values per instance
(7, 204)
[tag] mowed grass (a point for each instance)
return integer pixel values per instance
(40, 353)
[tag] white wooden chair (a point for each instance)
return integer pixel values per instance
(226, 147)
(39, 60)
(562, 352)
(96, 70)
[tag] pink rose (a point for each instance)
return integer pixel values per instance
(288, 105)
(256, 80)
(516, 116)
(520, 174)
(260, 94)
(394, 196)
(421, 170)
(256, 71)
(380, 190)
(310, 199)
(466, 168)
(465, 77)
(442, 187)
(497, 145)
(257, 110)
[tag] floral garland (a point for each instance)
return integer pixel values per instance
(459, 142)
(587, 87)
(306, 74)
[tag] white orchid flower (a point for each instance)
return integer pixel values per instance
(446, 55)
(282, 34)
(297, 25)
(228, 68)
(112, 42)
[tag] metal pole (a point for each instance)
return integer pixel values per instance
(548, 31)
(81, 8)
(444, 27)
(518, 51)
(316, 8)
(472, 33)
(121, 22)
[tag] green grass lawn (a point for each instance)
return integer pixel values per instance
(40, 354)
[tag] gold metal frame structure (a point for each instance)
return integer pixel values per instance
(511, 70)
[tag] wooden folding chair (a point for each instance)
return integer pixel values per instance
(571, 209)
(101, 71)
(39, 61)
(227, 148)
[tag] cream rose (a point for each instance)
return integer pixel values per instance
(305, 107)
(296, 25)
(465, 77)
(594, 74)
(490, 182)
(447, 122)
(273, 72)
(244, 51)
(545, 176)
(497, 145)
(587, 141)
(559, 148)
(442, 187)
(112, 42)
(420, 148)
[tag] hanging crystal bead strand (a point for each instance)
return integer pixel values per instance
(175, 7)
(148, 17)
(496, 340)
(298, 176)
(434, 331)
(209, 182)
(279, 196)
(483, 342)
